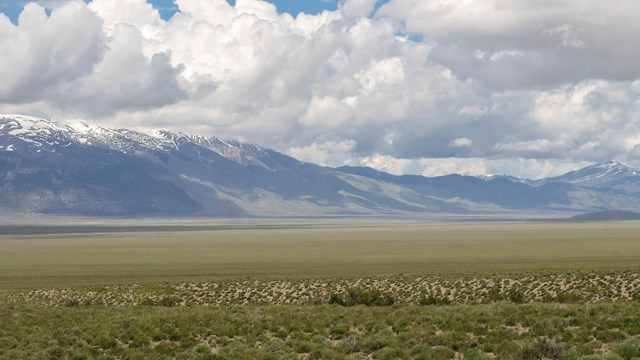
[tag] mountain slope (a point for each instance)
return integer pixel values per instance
(606, 175)
(607, 216)
(48, 167)
(54, 168)
(499, 191)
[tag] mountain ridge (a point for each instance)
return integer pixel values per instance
(80, 169)
(607, 216)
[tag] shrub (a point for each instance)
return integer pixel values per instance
(516, 296)
(474, 354)
(494, 294)
(8, 343)
(203, 349)
(351, 344)
(168, 349)
(568, 297)
(543, 348)
(441, 353)
(105, 342)
(322, 354)
(281, 333)
(358, 296)
(389, 353)
(71, 302)
(629, 350)
(375, 343)
(353, 296)
(338, 331)
(375, 297)
(137, 339)
(301, 347)
(336, 299)
(148, 302)
(434, 300)
(609, 335)
(170, 301)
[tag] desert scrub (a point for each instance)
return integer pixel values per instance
(578, 287)
(502, 330)
(359, 296)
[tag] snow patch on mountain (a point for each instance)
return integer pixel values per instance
(612, 174)
(48, 134)
(81, 168)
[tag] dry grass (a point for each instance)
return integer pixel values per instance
(46, 261)
(561, 287)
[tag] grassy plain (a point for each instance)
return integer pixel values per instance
(502, 331)
(413, 248)
(296, 291)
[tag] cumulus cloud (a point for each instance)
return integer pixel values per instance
(488, 87)
(522, 44)
(79, 60)
(327, 153)
(43, 52)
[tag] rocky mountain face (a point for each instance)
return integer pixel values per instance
(77, 169)
(613, 175)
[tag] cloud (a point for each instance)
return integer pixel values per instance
(42, 53)
(77, 62)
(125, 79)
(326, 153)
(380, 73)
(326, 112)
(388, 164)
(521, 44)
(489, 86)
(138, 13)
(460, 142)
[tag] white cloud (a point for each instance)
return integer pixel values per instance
(384, 72)
(439, 167)
(388, 164)
(460, 142)
(326, 112)
(519, 167)
(499, 55)
(554, 42)
(328, 153)
(138, 13)
(42, 53)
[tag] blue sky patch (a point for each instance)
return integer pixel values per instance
(168, 8)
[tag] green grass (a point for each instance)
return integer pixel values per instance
(503, 330)
(36, 261)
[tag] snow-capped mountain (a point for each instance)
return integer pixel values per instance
(47, 135)
(611, 174)
(55, 168)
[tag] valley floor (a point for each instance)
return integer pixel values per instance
(402, 290)
(311, 250)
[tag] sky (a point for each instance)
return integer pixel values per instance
(168, 8)
(430, 87)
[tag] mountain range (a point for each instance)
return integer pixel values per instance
(48, 167)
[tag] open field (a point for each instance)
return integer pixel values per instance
(345, 251)
(390, 290)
